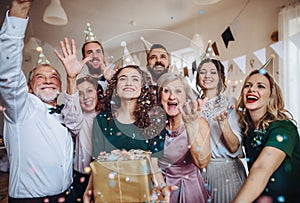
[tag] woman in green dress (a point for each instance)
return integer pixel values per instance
(127, 111)
(271, 142)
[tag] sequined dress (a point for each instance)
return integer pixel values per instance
(178, 169)
(225, 173)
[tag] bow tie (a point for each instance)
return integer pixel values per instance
(101, 78)
(57, 109)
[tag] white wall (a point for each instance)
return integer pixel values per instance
(251, 30)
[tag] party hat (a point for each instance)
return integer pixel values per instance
(147, 45)
(42, 59)
(89, 35)
(262, 69)
(209, 52)
(127, 58)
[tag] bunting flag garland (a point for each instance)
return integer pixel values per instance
(278, 48)
(215, 48)
(227, 36)
(296, 39)
(241, 63)
(261, 55)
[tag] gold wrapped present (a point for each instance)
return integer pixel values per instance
(122, 180)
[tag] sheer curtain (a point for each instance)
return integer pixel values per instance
(289, 65)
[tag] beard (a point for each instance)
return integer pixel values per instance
(92, 69)
(156, 74)
(46, 98)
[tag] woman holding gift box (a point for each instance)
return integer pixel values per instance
(125, 121)
(187, 141)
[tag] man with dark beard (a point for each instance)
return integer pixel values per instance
(158, 61)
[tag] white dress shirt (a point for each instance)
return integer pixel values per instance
(39, 146)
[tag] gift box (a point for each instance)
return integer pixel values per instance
(122, 179)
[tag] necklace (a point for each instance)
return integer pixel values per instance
(175, 133)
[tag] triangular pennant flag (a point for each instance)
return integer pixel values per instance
(278, 48)
(296, 39)
(225, 64)
(127, 58)
(241, 63)
(227, 36)
(261, 55)
(42, 59)
(215, 48)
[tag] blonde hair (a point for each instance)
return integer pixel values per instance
(275, 107)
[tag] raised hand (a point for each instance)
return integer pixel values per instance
(191, 111)
(109, 72)
(224, 114)
(69, 59)
(20, 8)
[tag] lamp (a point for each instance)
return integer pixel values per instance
(206, 2)
(55, 14)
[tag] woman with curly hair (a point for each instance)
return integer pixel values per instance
(271, 142)
(126, 117)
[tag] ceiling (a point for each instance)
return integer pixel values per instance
(117, 19)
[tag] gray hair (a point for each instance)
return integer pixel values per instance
(170, 77)
(30, 75)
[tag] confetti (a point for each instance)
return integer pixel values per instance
(281, 199)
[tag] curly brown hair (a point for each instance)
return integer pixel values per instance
(144, 104)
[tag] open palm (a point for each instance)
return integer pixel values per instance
(69, 59)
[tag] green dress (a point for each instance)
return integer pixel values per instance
(109, 134)
(284, 184)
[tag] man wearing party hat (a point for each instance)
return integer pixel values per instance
(98, 66)
(37, 137)
(158, 59)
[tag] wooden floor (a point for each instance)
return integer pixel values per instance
(3, 187)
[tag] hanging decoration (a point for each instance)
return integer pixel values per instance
(261, 55)
(241, 63)
(227, 36)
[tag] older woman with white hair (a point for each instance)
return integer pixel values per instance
(187, 144)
